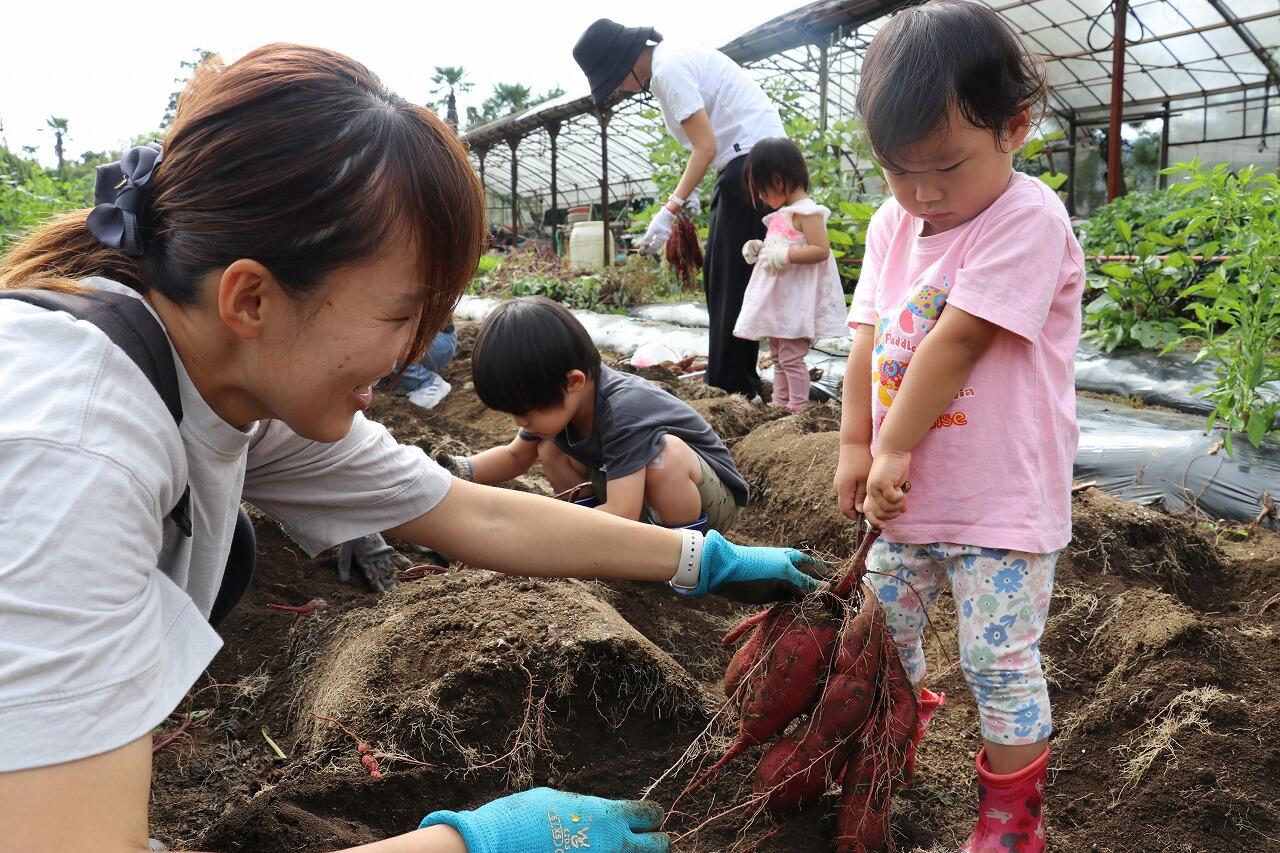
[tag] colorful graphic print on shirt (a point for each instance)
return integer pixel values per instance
(899, 333)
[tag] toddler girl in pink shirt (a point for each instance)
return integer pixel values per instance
(966, 319)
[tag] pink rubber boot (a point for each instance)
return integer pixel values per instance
(1010, 818)
(928, 703)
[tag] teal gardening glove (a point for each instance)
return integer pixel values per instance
(755, 575)
(546, 821)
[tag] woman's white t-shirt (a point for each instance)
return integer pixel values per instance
(103, 601)
(687, 79)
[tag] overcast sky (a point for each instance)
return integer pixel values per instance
(108, 67)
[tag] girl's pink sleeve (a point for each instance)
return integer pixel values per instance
(863, 310)
(1014, 271)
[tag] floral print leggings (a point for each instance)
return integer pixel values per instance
(1002, 600)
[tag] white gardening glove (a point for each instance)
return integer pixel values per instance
(775, 256)
(693, 206)
(655, 237)
(751, 250)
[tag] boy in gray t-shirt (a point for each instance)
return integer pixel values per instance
(648, 455)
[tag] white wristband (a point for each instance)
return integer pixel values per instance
(679, 202)
(689, 569)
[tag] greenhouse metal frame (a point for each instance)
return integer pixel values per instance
(1207, 71)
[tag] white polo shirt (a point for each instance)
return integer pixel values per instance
(103, 601)
(688, 79)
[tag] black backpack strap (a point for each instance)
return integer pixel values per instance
(126, 321)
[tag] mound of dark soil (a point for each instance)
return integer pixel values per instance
(511, 682)
(435, 669)
(790, 464)
(732, 417)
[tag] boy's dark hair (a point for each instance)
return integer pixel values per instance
(978, 62)
(524, 351)
(771, 160)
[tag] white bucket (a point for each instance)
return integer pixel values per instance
(585, 244)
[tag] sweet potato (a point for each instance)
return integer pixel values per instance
(748, 653)
(744, 626)
(862, 822)
(683, 252)
(798, 640)
(861, 638)
(800, 767)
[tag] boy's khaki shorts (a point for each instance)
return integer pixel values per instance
(717, 500)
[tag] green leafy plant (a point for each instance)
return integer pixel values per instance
(1037, 159)
(1198, 265)
(1235, 312)
(30, 194)
(1147, 259)
(487, 264)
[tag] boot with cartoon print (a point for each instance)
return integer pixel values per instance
(1010, 817)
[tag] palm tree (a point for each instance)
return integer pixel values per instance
(448, 80)
(507, 98)
(510, 97)
(59, 128)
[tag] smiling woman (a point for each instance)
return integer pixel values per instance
(222, 315)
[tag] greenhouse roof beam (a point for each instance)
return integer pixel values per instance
(813, 23)
(1146, 102)
(1264, 55)
(1190, 31)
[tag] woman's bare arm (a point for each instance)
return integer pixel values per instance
(100, 804)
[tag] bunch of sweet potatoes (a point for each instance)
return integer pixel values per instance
(683, 251)
(819, 681)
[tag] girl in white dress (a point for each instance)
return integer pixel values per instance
(794, 295)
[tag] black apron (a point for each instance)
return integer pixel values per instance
(735, 219)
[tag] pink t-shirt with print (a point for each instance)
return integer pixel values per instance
(995, 468)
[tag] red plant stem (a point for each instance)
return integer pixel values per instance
(173, 735)
(315, 605)
(858, 566)
(363, 749)
(419, 571)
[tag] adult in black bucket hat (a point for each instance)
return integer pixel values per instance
(713, 108)
(606, 53)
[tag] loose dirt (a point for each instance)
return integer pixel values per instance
(1162, 652)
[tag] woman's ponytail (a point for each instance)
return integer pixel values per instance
(60, 253)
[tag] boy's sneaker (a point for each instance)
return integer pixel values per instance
(430, 393)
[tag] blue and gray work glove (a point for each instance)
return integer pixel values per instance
(755, 575)
(547, 821)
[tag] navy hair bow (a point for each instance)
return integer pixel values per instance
(120, 198)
